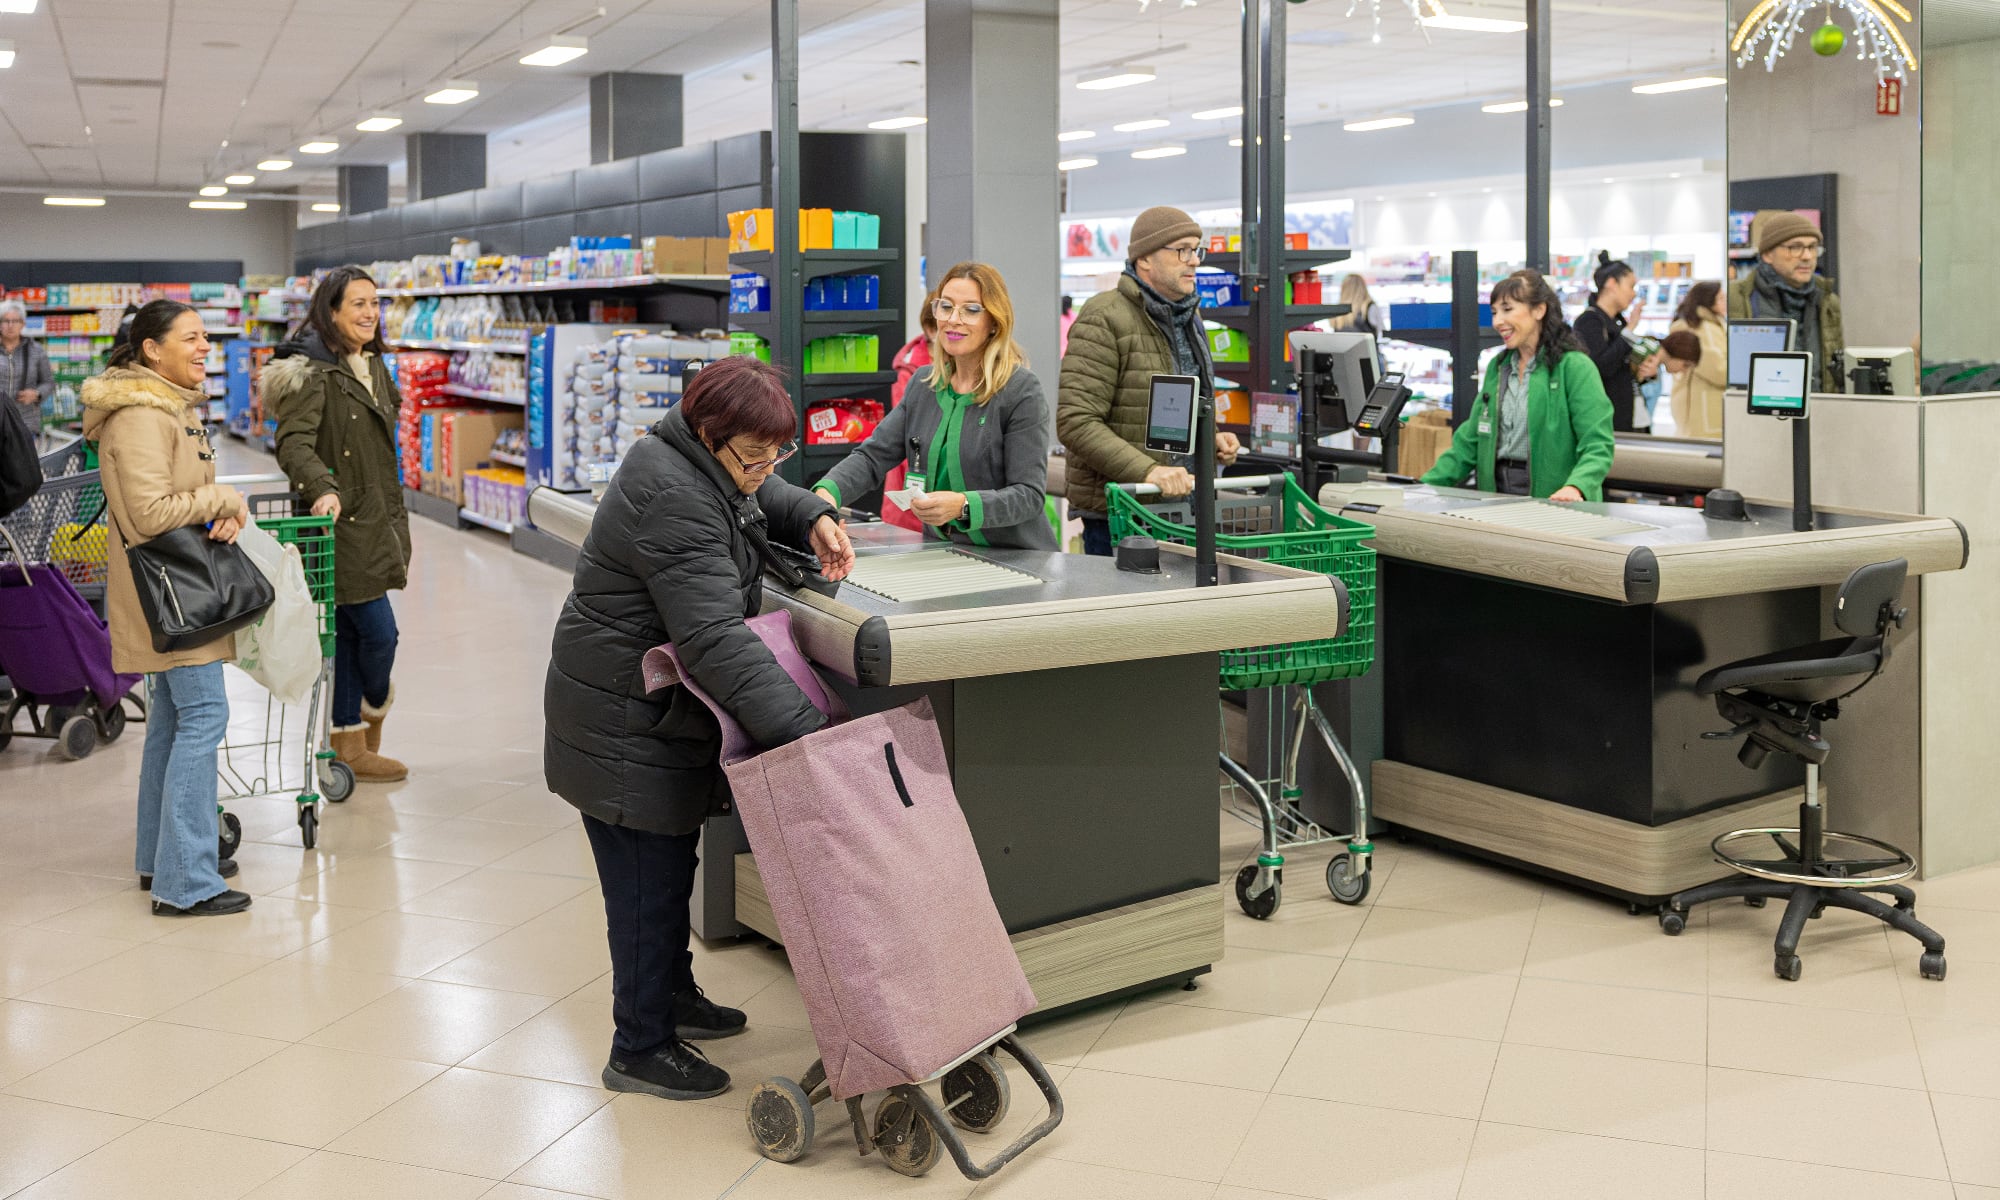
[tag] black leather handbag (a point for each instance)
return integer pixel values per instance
(194, 589)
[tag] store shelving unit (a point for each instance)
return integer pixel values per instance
(473, 393)
(715, 284)
(456, 344)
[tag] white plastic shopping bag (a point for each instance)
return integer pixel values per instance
(281, 651)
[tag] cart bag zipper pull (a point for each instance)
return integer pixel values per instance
(896, 774)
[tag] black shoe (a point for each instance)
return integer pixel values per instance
(215, 906)
(676, 1071)
(699, 1019)
(226, 868)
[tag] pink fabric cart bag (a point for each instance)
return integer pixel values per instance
(877, 887)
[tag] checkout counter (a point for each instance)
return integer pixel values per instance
(1676, 468)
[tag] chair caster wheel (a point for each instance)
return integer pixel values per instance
(1906, 904)
(1673, 923)
(1788, 967)
(1753, 901)
(1932, 965)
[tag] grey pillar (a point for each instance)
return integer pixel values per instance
(443, 163)
(991, 85)
(363, 188)
(633, 113)
(1540, 56)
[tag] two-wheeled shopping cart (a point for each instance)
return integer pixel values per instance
(1277, 522)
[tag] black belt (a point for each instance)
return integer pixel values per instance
(1510, 476)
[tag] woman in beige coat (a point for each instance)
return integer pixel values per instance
(1697, 399)
(159, 475)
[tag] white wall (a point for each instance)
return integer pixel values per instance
(1961, 222)
(148, 227)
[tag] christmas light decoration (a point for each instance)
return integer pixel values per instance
(1771, 28)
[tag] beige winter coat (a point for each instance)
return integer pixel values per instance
(158, 474)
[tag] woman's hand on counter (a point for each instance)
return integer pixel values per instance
(836, 553)
(1568, 494)
(938, 508)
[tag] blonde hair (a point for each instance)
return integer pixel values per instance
(1354, 294)
(1003, 355)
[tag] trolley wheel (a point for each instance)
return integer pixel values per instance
(1260, 907)
(917, 1150)
(114, 722)
(983, 1083)
(1932, 965)
(231, 835)
(1787, 967)
(1673, 924)
(56, 715)
(1346, 886)
(308, 825)
(336, 782)
(78, 736)
(780, 1116)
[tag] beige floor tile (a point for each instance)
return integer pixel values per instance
(289, 1000)
(1066, 1039)
(1315, 1148)
(1042, 1177)
(1823, 1043)
(441, 795)
(399, 943)
(303, 1095)
(1635, 955)
(1513, 1163)
(42, 1138)
(729, 973)
(273, 928)
(161, 1162)
(521, 1191)
(354, 828)
(1195, 1045)
(1631, 1021)
(778, 1003)
(430, 1022)
(34, 1036)
(1638, 1099)
(542, 957)
(148, 979)
(1970, 1127)
(147, 1069)
(1447, 883)
(1865, 982)
(326, 1176)
(1972, 1191)
(564, 852)
(1327, 929)
(1968, 992)
(470, 842)
(1975, 887)
(762, 1052)
(1261, 981)
(532, 804)
(1419, 999)
(1574, 906)
(1184, 1130)
(499, 897)
(1384, 1068)
(273, 868)
(1822, 1121)
(567, 1042)
(1837, 930)
(33, 894)
(638, 1146)
(126, 915)
(847, 1176)
(373, 881)
(1960, 1057)
(1740, 1177)
(516, 1119)
(33, 958)
(1971, 935)
(1494, 944)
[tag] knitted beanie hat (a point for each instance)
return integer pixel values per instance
(1772, 228)
(1156, 229)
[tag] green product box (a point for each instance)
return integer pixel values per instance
(742, 341)
(1227, 345)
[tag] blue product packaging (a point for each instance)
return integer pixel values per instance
(816, 300)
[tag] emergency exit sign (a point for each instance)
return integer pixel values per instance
(1889, 98)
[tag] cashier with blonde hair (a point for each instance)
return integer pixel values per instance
(972, 427)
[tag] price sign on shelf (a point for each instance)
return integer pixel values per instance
(1889, 98)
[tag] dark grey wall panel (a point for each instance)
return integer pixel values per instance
(738, 199)
(539, 235)
(456, 214)
(683, 216)
(608, 183)
(498, 203)
(549, 196)
(310, 238)
(683, 171)
(621, 220)
(501, 237)
(418, 216)
(743, 161)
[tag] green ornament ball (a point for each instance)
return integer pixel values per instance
(1828, 40)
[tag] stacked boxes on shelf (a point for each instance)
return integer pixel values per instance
(456, 441)
(497, 493)
(620, 388)
(819, 229)
(420, 379)
(844, 354)
(483, 370)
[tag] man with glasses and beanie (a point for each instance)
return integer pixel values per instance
(1149, 325)
(1786, 284)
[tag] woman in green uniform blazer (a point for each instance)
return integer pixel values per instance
(1545, 431)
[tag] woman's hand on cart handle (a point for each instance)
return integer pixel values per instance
(836, 553)
(327, 506)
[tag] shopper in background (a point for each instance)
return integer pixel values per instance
(1363, 315)
(1787, 284)
(25, 376)
(1068, 319)
(675, 554)
(1541, 425)
(336, 406)
(1697, 398)
(1615, 306)
(973, 427)
(158, 473)
(1150, 324)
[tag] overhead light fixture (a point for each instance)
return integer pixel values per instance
(319, 147)
(17, 6)
(1139, 126)
(218, 205)
(239, 180)
(1219, 114)
(898, 123)
(326, 206)
(1471, 24)
(1075, 164)
(1160, 152)
(379, 123)
(560, 49)
(1693, 84)
(6, 53)
(454, 91)
(275, 164)
(1609, 179)
(1116, 78)
(1515, 106)
(74, 201)
(215, 189)
(1076, 135)
(1375, 123)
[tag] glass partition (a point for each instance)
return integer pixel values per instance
(1961, 176)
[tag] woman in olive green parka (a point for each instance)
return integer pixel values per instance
(1543, 432)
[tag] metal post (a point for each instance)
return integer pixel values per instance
(1539, 56)
(1268, 340)
(788, 271)
(1802, 507)
(1252, 121)
(1204, 492)
(1464, 334)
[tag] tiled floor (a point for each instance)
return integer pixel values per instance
(420, 1009)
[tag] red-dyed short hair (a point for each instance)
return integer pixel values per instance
(739, 396)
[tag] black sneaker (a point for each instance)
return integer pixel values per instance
(215, 906)
(226, 868)
(699, 1019)
(676, 1071)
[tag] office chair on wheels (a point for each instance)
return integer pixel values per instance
(1779, 702)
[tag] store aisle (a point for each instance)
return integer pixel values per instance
(420, 1009)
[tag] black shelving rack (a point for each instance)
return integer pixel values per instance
(1268, 368)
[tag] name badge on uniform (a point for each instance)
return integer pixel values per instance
(1486, 429)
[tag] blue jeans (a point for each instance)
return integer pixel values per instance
(185, 720)
(364, 652)
(1097, 535)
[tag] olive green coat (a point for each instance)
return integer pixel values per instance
(1832, 337)
(334, 437)
(1115, 349)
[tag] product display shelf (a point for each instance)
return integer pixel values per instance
(819, 321)
(705, 283)
(472, 518)
(473, 393)
(1294, 260)
(452, 344)
(437, 508)
(66, 334)
(1437, 339)
(1238, 316)
(817, 263)
(821, 386)
(512, 460)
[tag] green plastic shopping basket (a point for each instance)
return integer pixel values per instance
(314, 538)
(1281, 525)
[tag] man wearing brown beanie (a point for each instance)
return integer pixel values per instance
(1149, 325)
(1786, 283)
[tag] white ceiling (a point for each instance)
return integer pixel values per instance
(143, 93)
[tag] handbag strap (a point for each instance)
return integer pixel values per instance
(662, 668)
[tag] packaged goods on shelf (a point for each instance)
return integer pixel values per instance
(497, 493)
(1227, 345)
(1219, 289)
(841, 293)
(819, 229)
(751, 293)
(684, 256)
(744, 342)
(843, 354)
(842, 422)
(453, 441)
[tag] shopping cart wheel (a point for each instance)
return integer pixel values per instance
(1346, 886)
(336, 782)
(1261, 906)
(982, 1083)
(231, 835)
(114, 723)
(781, 1120)
(78, 736)
(308, 825)
(905, 1136)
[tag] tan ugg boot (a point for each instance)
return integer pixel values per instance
(350, 745)
(373, 717)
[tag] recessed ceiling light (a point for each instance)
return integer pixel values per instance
(17, 6)
(319, 147)
(74, 201)
(1137, 126)
(275, 164)
(1693, 84)
(218, 205)
(898, 123)
(379, 123)
(1219, 114)
(1673, 174)
(6, 53)
(1430, 195)
(1608, 179)
(1471, 24)
(1076, 135)
(1116, 78)
(560, 49)
(1075, 164)
(215, 189)
(1369, 126)
(454, 91)
(326, 206)
(1516, 106)
(1160, 152)
(239, 180)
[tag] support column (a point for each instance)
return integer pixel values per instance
(992, 88)
(363, 188)
(443, 163)
(1539, 57)
(633, 113)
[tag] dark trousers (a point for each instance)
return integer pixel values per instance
(364, 653)
(647, 879)
(1097, 535)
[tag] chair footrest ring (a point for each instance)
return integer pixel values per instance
(1888, 864)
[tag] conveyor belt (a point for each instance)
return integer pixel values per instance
(1546, 517)
(934, 575)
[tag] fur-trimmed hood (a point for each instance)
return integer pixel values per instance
(292, 365)
(121, 388)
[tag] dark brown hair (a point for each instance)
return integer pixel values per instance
(1528, 288)
(150, 324)
(1698, 305)
(1682, 344)
(326, 301)
(739, 396)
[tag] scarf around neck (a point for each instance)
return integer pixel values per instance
(1800, 302)
(1180, 321)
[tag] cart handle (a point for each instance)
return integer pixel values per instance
(240, 480)
(1232, 483)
